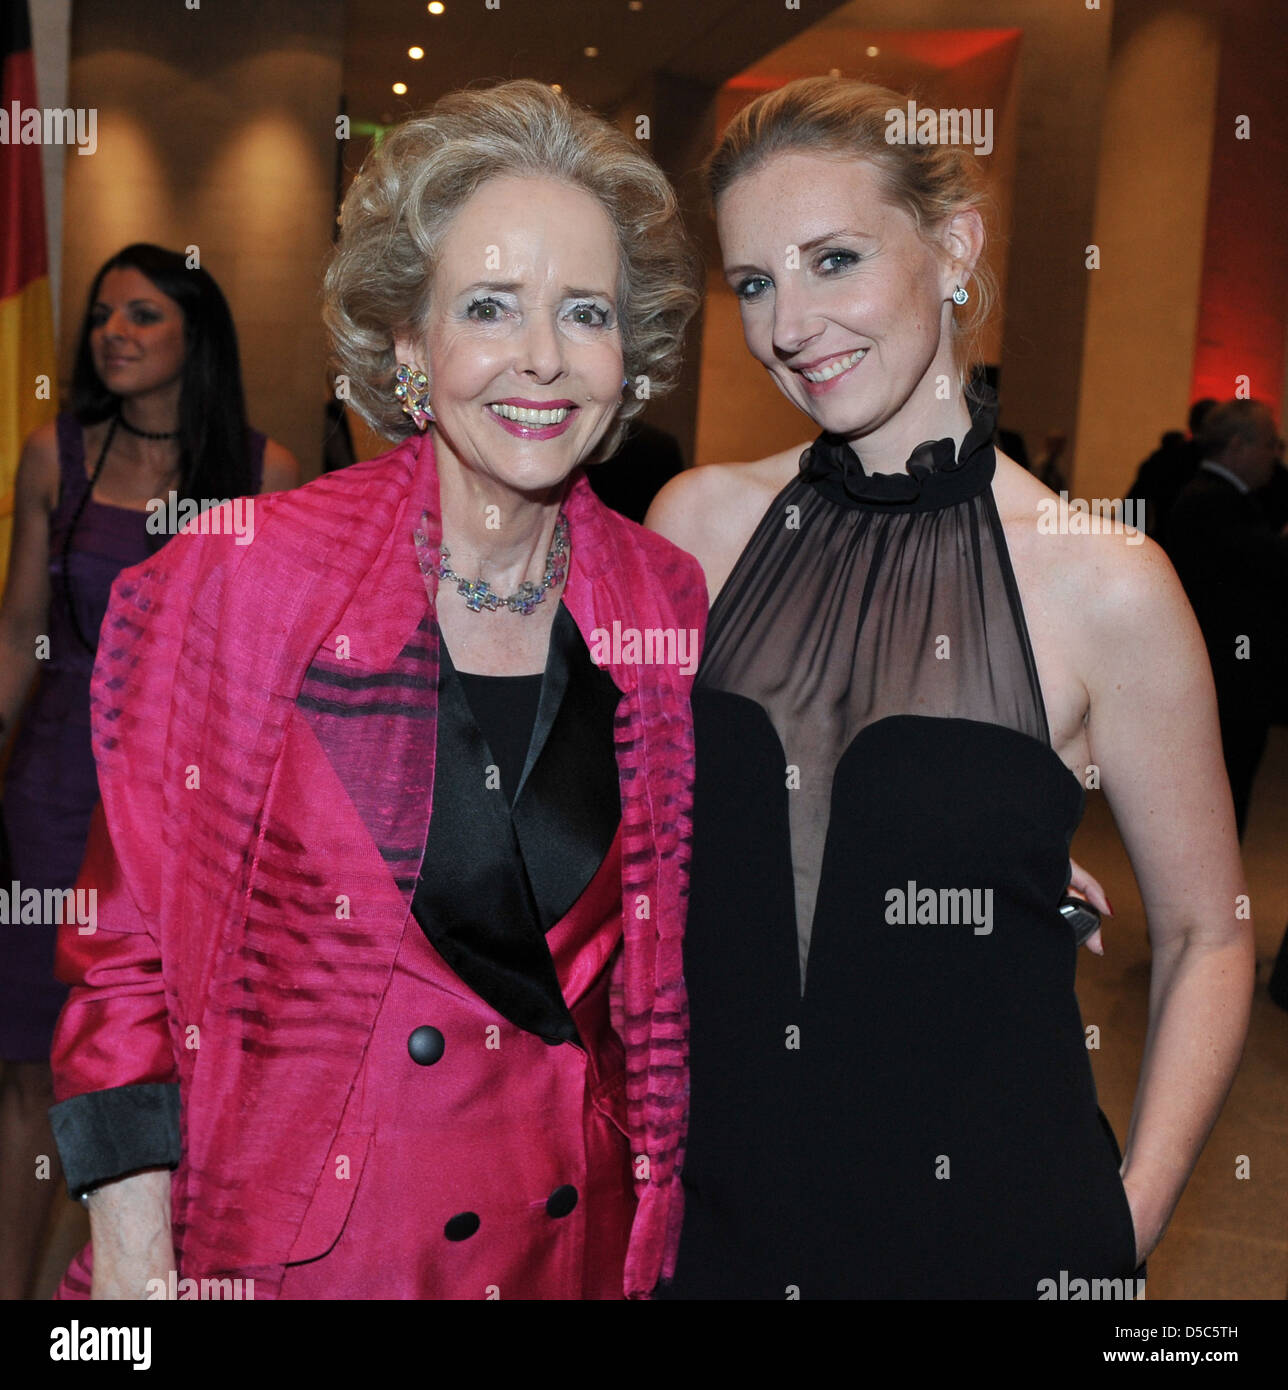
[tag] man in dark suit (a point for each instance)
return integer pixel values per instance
(1164, 474)
(1234, 566)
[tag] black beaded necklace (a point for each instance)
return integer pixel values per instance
(144, 434)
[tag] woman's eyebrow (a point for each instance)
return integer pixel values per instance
(513, 286)
(805, 246)
(504, 286)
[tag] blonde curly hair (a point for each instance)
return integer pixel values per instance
(410, 188)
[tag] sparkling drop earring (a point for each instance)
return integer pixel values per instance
(960, 295)
(412, 393)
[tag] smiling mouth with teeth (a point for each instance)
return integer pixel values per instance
(842, 364)
(522, 415)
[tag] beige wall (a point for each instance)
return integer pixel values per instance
(216, 131)
(1142, 304)
(990, 79)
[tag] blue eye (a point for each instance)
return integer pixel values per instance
(752, 287)
(843, 260)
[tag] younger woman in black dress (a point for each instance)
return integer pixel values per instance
(904, 687)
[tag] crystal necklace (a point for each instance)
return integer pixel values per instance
(479, 594)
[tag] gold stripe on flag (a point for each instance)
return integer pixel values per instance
(28, 394)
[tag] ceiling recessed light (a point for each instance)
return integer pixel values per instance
(436, 6)
(872, 50)
(555, 87)
(834, 72)
(591, 51)
(400, 89)
(636, 5)
(416, 54)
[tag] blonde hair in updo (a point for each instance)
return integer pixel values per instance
(843, 116)
(410, 188)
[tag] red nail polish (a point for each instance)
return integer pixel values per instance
(1109, 905)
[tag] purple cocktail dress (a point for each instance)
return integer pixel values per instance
(51, 787)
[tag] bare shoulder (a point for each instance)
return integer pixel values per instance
(38, 471)
(281, 468)
(1107, 576)
(711, 511)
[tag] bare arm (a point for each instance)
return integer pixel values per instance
(1152, 729)
(129, 1221)
(24, 613)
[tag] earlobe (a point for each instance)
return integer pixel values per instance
(409, 350)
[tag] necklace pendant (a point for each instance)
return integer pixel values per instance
(525, 600)
(477, 594)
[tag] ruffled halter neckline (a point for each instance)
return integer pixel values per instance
(938, 474)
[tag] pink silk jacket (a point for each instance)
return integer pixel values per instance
(231, 828)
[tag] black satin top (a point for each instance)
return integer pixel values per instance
(497, 876)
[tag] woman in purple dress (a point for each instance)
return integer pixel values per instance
(158, 417)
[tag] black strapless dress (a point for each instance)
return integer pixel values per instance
(891, 1091)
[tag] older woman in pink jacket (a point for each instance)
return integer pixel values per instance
(393, 814)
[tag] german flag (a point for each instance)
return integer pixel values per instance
(26, 317)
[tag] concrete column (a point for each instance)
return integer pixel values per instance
(1151, 207)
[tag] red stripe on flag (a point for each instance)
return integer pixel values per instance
(23, 256)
